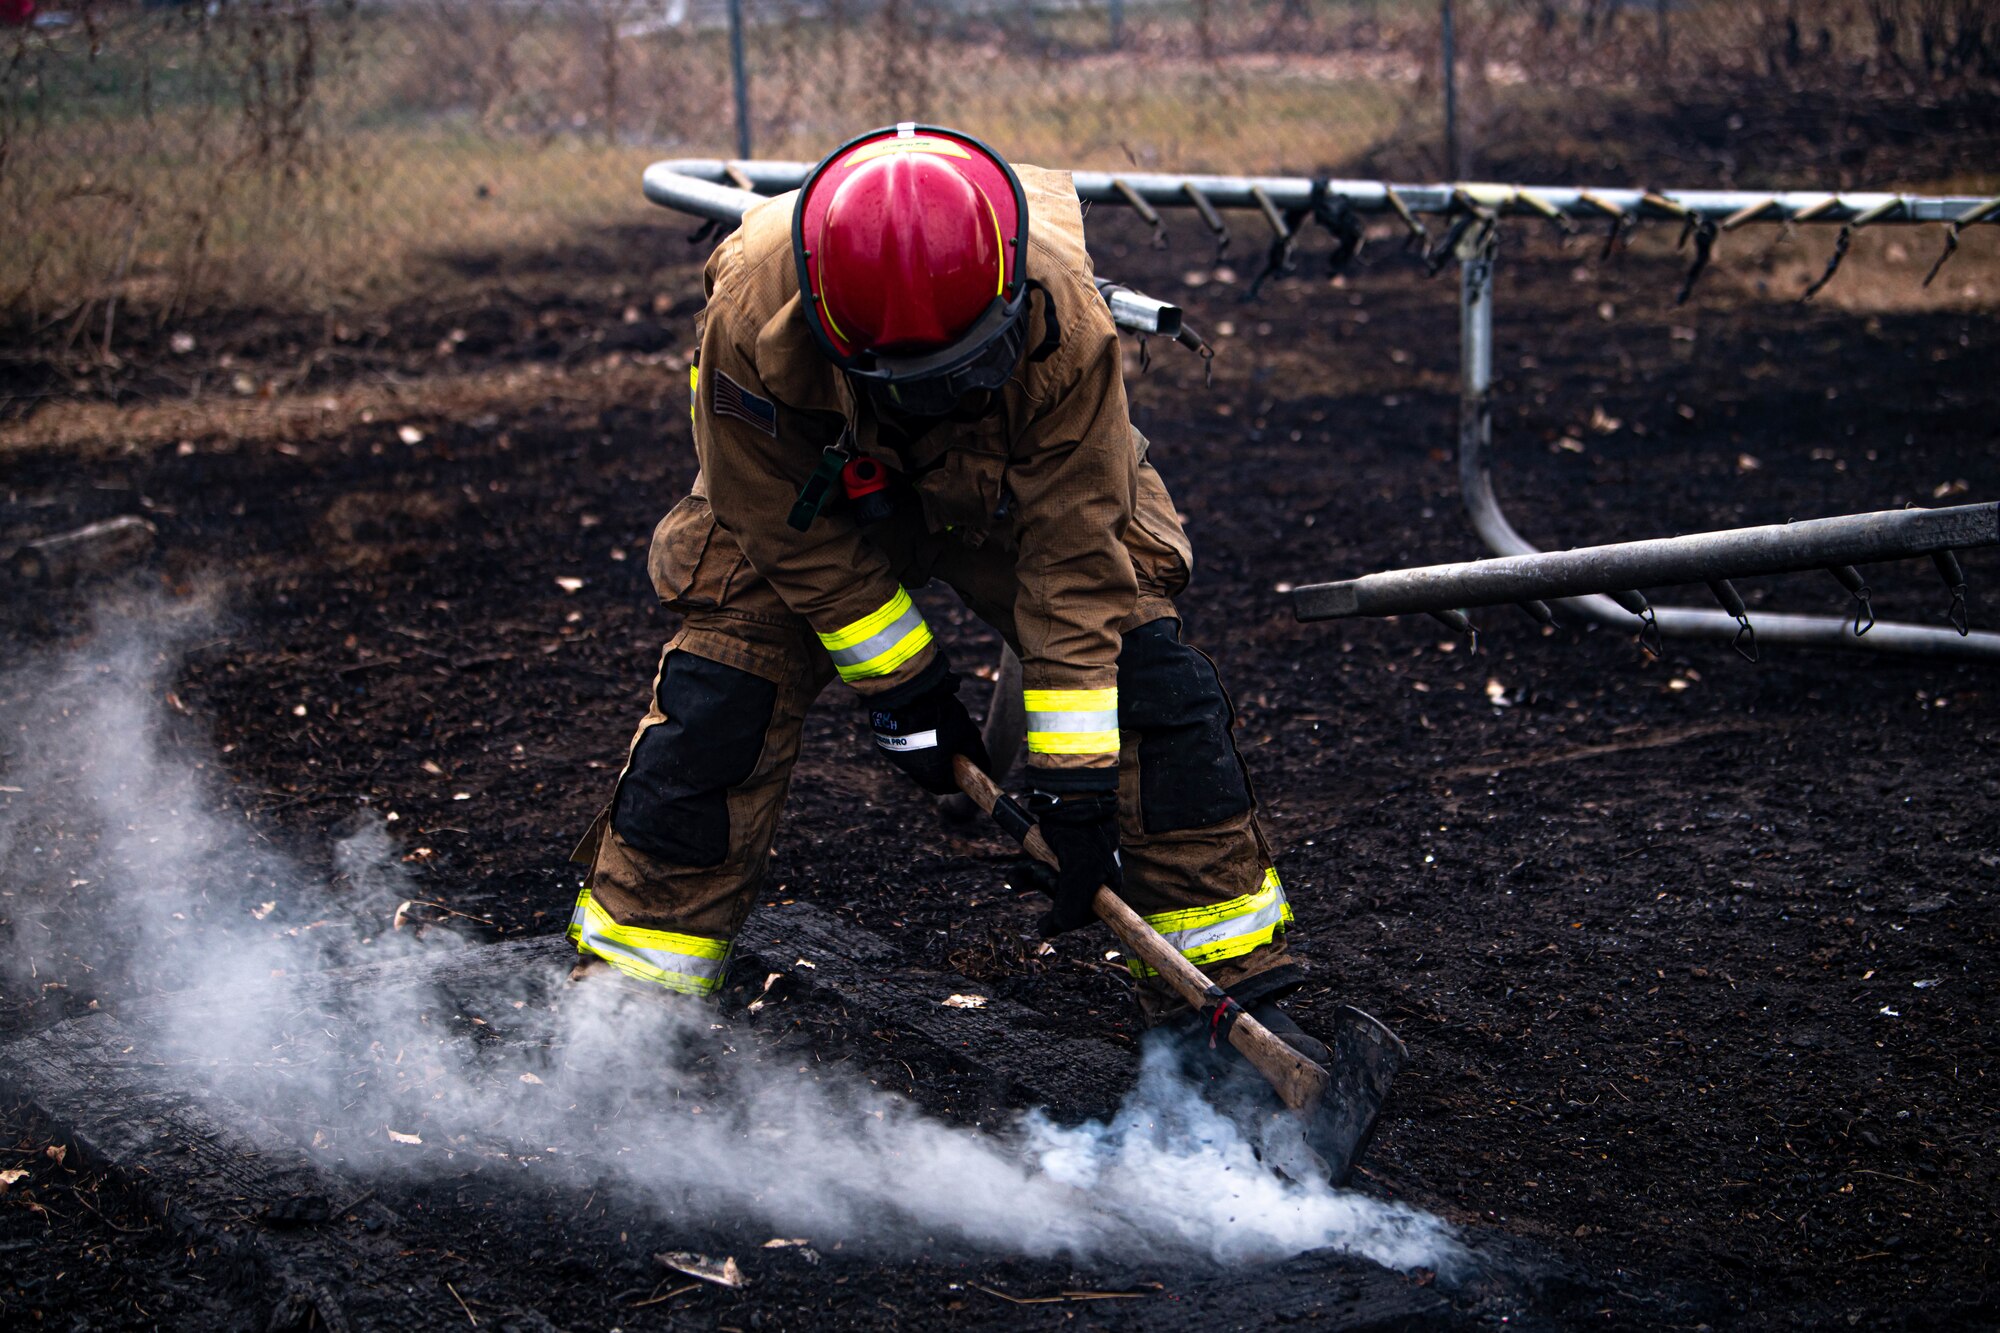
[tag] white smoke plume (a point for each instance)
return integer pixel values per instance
(648, 1097)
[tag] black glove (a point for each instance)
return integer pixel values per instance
(1081, 828)
(920, 727)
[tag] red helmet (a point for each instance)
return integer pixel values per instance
(909, 242)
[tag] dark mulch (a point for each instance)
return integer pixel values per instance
(1696, 958)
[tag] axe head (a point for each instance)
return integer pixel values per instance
(1333, 1111)
(1366, 1057)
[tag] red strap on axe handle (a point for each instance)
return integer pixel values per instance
(1221, 1015)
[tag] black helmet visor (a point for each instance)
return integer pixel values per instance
(933, 384)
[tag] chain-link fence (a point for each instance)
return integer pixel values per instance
(296, 150)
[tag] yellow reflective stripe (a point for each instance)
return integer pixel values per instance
(999, 246)
(880, 642)
(869, 625)
(694, 389)
(1072, 721)
(1217, 931)
(1210, 914)
(1072, 742)
(1070, 701)
(601, 926)
(690, 964)
(885, 662)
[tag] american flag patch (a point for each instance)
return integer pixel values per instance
(733, 400)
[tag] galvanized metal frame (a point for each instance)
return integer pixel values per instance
(1701, 557)
(666, 182)
(721, 190)
(1475, 481)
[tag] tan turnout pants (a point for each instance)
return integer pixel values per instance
(678, 858)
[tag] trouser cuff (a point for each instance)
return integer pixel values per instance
(689, 964)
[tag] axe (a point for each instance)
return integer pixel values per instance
(1336, 1108)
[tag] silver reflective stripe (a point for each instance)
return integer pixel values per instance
(881, 641)
(694, 968)
(676, 971)
(916, 740)
(1265, 919)
(1095, 720)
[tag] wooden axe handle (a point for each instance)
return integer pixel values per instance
(1300, 1082)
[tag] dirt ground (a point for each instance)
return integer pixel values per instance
(1695, 958)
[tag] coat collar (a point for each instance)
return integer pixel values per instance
(794, 369)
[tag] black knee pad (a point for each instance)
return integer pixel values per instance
(674, 803)
(1189, 775)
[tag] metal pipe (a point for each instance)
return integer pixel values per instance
(1448, 44)
(1285, 193)
(700, 195)
(1713, 558)
(1138, 312)
(741, 76)
(1475, 435)
(1373, 197)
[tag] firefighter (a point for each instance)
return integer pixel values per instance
(906, 375)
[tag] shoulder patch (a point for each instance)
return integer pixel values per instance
(731, 399)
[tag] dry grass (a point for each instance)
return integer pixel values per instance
(145, 171)
(152, 215)
(326, 156)
(1230, 114)
(391, 203)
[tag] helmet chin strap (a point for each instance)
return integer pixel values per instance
(975, 406)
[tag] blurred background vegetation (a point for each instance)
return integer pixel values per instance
(311, 155)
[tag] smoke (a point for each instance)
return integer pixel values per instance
(130, 859)
(643, 1096)
(652, 1097)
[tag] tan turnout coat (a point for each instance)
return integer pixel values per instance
(1049, 482)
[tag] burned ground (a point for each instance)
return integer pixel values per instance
(1694, 957)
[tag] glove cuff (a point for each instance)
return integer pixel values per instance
(1079, 810)
(1070, 782)
(937, 677)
